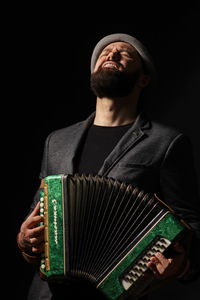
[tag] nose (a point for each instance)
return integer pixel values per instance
(114, 55)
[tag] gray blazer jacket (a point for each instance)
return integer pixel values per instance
(151, 156)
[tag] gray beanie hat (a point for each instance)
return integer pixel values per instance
(141, 49)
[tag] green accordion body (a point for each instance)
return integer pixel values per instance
(103, 231)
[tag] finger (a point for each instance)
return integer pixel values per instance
(36, 210)
(36, 234)
(36, 231)
(156, 266)
(162, 260)
(34, 221)
(24, 239)
(152, 267)
(36, 241)
(38, 249)
(152, 264)
(160, 266)
(28, 234)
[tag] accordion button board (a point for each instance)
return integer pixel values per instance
(140, 266)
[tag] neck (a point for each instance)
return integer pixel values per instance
(115, 112)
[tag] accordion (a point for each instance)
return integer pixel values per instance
(104, 231)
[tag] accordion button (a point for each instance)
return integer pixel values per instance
(150, 253)
(128, 278)
(133, 276)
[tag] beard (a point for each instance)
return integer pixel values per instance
(112, 83)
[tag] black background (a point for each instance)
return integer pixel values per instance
(47, 87)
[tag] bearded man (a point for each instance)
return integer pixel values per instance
(119, 141)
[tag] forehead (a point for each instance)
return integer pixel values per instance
(120, 46)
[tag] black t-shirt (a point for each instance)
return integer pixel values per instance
(98, 143)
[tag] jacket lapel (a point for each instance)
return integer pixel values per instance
(134, 135)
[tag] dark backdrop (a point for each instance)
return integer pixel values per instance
(50, 70)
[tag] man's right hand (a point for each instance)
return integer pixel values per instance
(31, 236)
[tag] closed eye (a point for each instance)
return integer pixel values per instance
(125, 53)
(104, 53)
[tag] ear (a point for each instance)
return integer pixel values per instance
(144, 80)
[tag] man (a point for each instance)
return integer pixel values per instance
(119, 141)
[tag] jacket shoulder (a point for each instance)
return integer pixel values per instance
(166, 131)
(61, 133)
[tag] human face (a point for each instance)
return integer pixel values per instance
(120, 56)
(116, 72)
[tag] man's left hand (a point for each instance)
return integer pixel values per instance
(165, 268)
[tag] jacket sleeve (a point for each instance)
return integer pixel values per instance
(178, 181)
(43, 173)
(44, 164)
